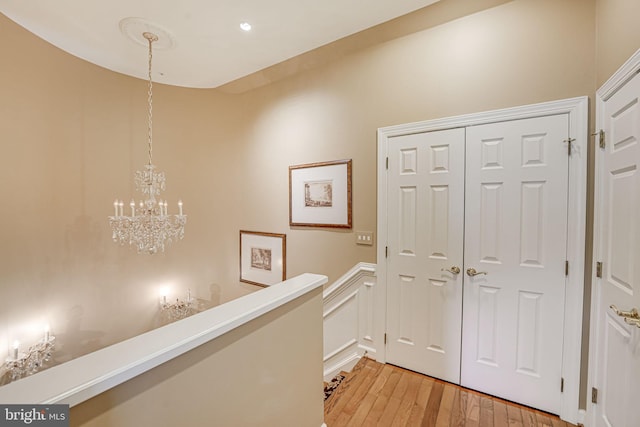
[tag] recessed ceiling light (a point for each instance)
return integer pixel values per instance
(245, 26)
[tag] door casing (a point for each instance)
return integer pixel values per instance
(577, 109)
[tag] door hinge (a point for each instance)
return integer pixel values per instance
(601, 138)
(566, 268)
(599, 269)
(387, 163)
(386, 251)
(569, 143)
(594, 395)
(385, 338)
(561, 385)
(602, 142)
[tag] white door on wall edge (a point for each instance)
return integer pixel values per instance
(617, 341)
(515, 241)
(425, 249)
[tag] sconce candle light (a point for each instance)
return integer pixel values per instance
(179, 309)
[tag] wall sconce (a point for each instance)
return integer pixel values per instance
(179, 309)
(22, 364)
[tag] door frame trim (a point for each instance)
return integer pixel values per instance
(577, 109)
(621, 77)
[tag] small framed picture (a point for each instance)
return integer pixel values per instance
(320, 194)
(263, 258)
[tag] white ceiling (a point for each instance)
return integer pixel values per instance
(205, 47)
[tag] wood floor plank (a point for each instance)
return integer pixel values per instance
(457, 414)
(395, 399)
(559, 423)
(472, 410)
(500, 417)
(417, 412)
(529, 419)
(383, 398)
(486, 412)
(383, 376)
(385, 395)
(543, 420)
(353, 391)
(444, 412)
(408, 401)
(433, 405)
(515, 416)
(361, 413)
(335, 404)
(359, 406)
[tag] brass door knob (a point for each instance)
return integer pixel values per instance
(455, 269)
(472, 272)
(631, 317)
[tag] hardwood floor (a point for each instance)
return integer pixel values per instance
(385, 395)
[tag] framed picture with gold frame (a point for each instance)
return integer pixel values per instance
(320, 194)
(263, 258)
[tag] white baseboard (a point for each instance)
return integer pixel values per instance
(345, 364)
(582, 415)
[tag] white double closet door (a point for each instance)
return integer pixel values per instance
(491, 199)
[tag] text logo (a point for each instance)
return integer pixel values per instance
(34, 415)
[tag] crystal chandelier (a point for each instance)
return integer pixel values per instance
(149, 227)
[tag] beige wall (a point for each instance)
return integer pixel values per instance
(265, 373)
(73, 134)
(617, 35)
(510, 55)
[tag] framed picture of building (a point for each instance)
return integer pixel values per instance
(320, 194)
(263, 257)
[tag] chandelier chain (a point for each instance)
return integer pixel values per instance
(150, 99)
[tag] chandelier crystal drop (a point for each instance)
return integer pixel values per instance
(149, 227)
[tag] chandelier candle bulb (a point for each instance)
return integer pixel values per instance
(180, 206)
(46, 333)
(115, 207)
(133, 208)
(16, 347)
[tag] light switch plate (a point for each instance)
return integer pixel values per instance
(364, 238)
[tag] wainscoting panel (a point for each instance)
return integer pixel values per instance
(348, 311)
